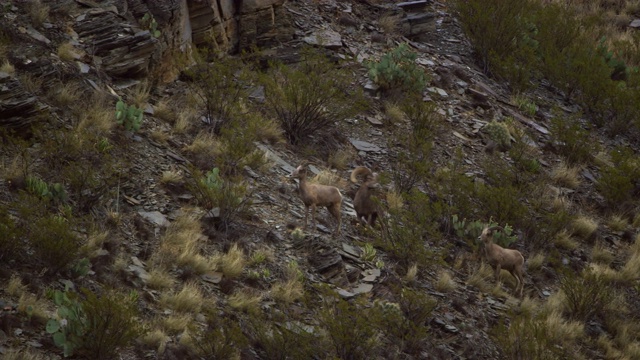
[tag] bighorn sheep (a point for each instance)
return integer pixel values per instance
(501, 258)
(314, 195)
(367, 209)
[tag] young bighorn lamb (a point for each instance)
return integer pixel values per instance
(314, 195)
(501, 258)
(367, 209)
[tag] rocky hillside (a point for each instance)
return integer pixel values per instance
(147, 211)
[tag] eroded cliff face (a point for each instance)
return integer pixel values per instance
(126, 50)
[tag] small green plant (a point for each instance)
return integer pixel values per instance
(150, 23)
(472, 230)
(40, 188)
(226, 199)
(398, 70)
(527, 106)
(571, 139)
(97, 325)
(368, 252)
(128, 116)
(53, 242)
(70, 325)
(617, 182)
(499, 133)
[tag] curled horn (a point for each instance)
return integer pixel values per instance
(361, 170)
(494, 228)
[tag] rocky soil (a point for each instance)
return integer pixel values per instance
(116, 56)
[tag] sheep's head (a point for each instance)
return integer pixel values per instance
(299, 172)
(487, 234)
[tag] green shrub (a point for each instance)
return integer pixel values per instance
(310, 98)
(220, 82)
(571, 139)
(617, 183)
(222, 338)
(128, 116)
(229, 199)
(97, 325)
(503, 203)
(586, 294)
(398, 70)
(498, 29)
(405, 323)
(349, 326)
(286, 339)
(11, 247)
(406, 230)
(413, 165)
(472, 230)
(53, 242)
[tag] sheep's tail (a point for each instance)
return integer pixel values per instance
(360, 170)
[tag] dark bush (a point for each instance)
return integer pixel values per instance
(310, 97)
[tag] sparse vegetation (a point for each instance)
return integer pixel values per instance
(397, 70)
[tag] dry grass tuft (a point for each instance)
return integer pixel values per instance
(188, 300)
(156, 338)
(535, 262)
(22, 354)
(394, 200)
(388, 23)
(139, 94)
(481, 277)
(583, 227)
(7, 67)
(181, 244)
(566, 176)
(563, 331)
(67, 52)
(445, 282)
(617, 222)
(394, 113)
(160, 279)
(340, 159)
(98, 117)
(246, 300)
(262, 255)
(287, 291)
(184, 119)
(412, 273)
(177, 323)
(563, 239)
(164, 111)
(171, 177)
(31, 83)
(601, 255)
(30, 305)
(15, 287)
(327, 177)
(233, 262)
(38, 13)
(630, 272)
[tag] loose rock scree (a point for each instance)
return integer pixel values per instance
(314, 195)
(501, 258)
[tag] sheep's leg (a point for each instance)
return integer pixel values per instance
(372, 219)
(313, 215)
(497, 272)
(521, 278)
(334, 210)
(515, 276)
(306, 215)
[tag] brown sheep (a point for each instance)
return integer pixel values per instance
(501, 258)
(314, 195)
(367, 210)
